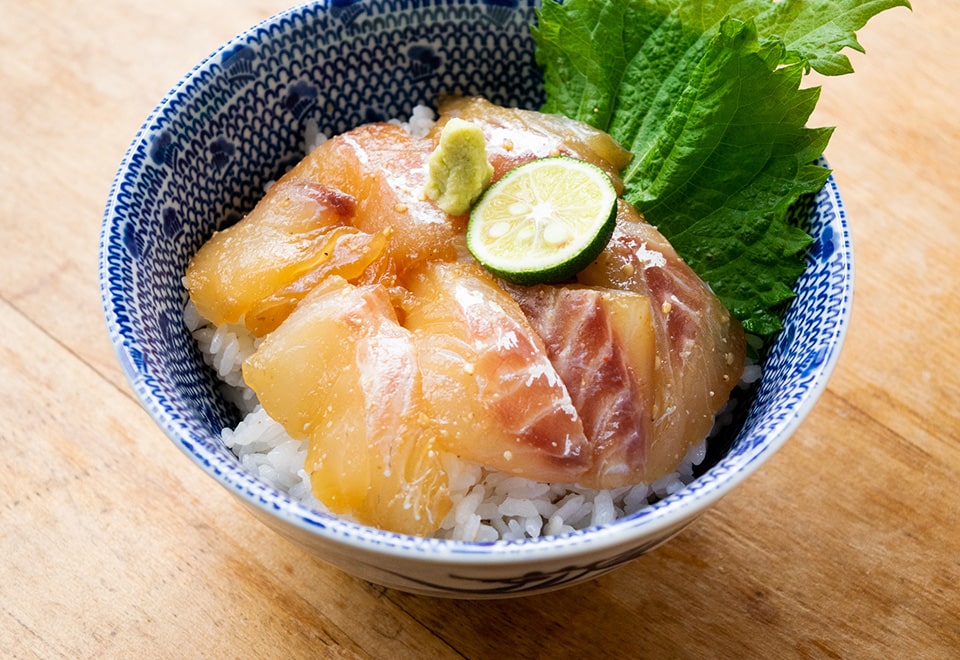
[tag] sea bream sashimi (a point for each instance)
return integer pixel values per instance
(488, 380)
(357, 202)
(700, 347)
(381, 403)
(390, 348)
(384, 167)
(648, 353)
(342, 372)
(289, 235)
(602, 344)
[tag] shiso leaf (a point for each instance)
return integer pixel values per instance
(706, 94)
(815, 31)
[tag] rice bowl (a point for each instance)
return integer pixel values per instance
(238, 121)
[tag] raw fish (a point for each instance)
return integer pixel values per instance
(388, 347)
(342, 372)
(487, 377)
(700, 346)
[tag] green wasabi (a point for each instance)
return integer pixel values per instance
(458, 169)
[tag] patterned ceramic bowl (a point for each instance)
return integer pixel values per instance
(238, 120)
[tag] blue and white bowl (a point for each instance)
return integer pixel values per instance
(238, 120)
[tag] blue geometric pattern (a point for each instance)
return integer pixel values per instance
(238, 120)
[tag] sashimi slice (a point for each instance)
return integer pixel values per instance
(342, 372)
(700, 346)
(517, 136)
(285, 236)
(603, 345)
(348, 253)
(385, 169)
(487, 380)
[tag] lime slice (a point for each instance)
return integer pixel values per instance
(543, 221)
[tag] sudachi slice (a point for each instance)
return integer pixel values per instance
(543, 221)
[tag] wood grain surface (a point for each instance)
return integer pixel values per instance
(112, 544)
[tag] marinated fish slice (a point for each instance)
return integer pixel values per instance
(517, 136)
(487, 380)
(700, 347)
(385, 169)
(602, 383)
(342, 372)
(282, 238)
(348, 252)
(603, 345)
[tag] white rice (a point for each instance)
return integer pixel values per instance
(487, 505)
(420, 122)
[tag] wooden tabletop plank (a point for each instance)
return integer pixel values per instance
(108, 536)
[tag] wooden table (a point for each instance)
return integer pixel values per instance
(846, 544)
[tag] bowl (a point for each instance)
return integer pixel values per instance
(239, 119)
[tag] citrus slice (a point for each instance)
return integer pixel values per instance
(543, 221)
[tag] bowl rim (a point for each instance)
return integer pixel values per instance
(671, 512)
